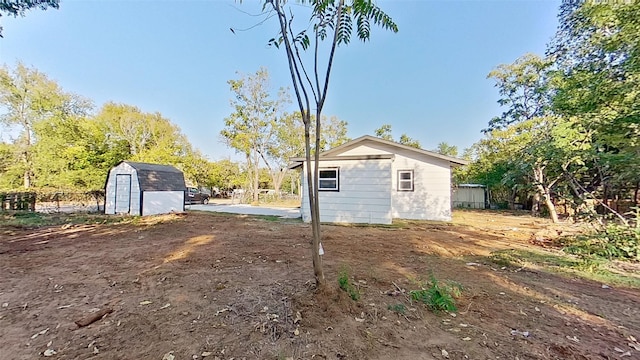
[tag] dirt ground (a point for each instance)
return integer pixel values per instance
(213, 286)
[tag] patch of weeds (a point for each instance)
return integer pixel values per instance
(585, 266)
(30, 220)
(399, 308)
(438, 296)
(612, 242)
(519, 258)
(345, 285)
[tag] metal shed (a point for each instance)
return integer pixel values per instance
(144, 189)
(471, 196)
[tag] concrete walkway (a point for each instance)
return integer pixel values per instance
(288, 213)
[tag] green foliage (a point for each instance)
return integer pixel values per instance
(438, 296)
(585, 266)
(615, 241)
(253, 126)
(345, 285)
(399, 308)
(30, 220)
(19, 7)
(61, 145)
(384, 132)
(446, 149)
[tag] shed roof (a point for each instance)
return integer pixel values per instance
(156, 177)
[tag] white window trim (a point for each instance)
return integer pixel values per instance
(400, 180)
(337, 179)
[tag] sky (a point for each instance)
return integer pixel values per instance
(175, 57)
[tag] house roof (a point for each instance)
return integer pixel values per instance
(156, 177)
(471, 186)
(332, 154)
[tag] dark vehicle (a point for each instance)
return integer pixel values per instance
(195, 196)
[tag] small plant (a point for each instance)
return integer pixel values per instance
(345, 284)
(438, 296)
(398, 308)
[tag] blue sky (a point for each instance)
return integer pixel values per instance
(175, 57)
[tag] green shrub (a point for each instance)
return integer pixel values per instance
(345, 284)
(398, 308)
(438, 296)
(613, 242)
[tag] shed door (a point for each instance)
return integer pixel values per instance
(123, 193)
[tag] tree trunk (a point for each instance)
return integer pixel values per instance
(255, 180)
(27, 158)
(317, 236)
(551, 207)
(545, 192)
(512, 200)
(27, 178)
(535, 206)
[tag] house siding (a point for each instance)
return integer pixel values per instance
(363, 195)
(367, 195)
(431, 195)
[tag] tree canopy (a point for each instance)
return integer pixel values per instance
(570, 128)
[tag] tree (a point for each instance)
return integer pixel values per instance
(30, 97)
(524, 90)
(598, 80)
(289, 142)
(19, 7)
(251, 128)
(147, 137)
(526, 126)
(332, 21)
(446, 149)
(384, 132)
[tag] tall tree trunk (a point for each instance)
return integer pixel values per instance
(551, 207)
(535, 206)
(27, 157)
(545, 193)
(317, 236)
(256, 179)
(512, 200)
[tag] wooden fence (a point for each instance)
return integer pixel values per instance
(18, 201)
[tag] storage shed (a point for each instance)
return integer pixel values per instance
(372, 180)
(470, 196)
(144, 189)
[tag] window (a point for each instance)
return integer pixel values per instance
(328, 180)
(405, 180)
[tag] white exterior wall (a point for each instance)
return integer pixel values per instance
(431, 197)
(110, 191)
(366, 150)
(162, 202)
(363, 195)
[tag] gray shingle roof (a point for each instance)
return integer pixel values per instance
(155, 177)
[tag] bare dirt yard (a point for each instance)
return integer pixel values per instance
(222, 286)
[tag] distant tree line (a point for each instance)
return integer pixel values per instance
(54, 139)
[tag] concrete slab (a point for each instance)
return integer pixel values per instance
(288, 213)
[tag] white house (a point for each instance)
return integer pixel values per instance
(371, 180)
(144, 189)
